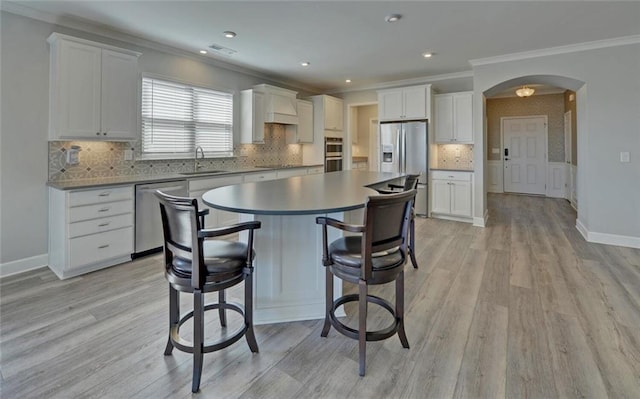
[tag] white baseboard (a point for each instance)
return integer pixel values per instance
(606, 238)
(23, 265)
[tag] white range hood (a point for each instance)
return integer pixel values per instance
(280, 105)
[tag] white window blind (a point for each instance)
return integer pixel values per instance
(176, 118)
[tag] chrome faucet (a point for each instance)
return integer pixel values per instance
(196, 164)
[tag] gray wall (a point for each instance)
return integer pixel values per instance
(608, 111)
(25, 98)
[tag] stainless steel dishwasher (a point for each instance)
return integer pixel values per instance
(149, 237)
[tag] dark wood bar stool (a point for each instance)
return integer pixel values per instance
(377, 256)
(410, 183)
(197, 264)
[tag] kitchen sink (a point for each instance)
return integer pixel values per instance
(202, 172)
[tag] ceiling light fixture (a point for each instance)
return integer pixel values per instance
(203, 52)
(229, 34)
(525, 91)
(427, 55)
(392, 17)
(348, 81)
(305, 63)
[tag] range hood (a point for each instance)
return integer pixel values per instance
(280, 105)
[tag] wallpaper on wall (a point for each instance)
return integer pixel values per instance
(551, 105)
(455, 156)
(106, 159)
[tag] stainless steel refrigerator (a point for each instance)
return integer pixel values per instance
(404, 149)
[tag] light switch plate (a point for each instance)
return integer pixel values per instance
(495, 151)
(624, 156)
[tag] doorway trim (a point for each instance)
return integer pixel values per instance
(348, 140)
(374, 140)
(546, 146)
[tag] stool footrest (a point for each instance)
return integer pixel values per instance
(377, 335)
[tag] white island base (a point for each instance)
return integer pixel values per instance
(289, 278)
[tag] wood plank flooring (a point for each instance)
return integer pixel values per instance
(523, 308)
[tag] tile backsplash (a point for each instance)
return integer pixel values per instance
(455, 156)
(106, 159)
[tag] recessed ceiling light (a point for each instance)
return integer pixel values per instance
(203, 52)
(305, 63)
(392, 17)
(229, 34)
(348, 80)
(427, 55)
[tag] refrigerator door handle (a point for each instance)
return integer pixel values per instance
(399, 153)
(403, 150)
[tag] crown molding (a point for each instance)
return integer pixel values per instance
(571, 48)
(409, 82)
(108, 32)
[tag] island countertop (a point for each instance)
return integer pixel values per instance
(302, 195)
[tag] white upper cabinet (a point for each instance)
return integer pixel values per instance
(303, 131)
(93, 90)
(411, 102)
(252, 117)
(328, 115)
(454, 118)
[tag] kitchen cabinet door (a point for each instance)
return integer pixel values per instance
(415, 102)
(454, 118)
(93, 91)
(302, 133)
(441, 196)
(333, 115)
(119, 95)
(461, 198)
(75, 105)
(390, 104)
(252, 117)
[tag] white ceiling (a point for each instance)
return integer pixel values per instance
(350, 39)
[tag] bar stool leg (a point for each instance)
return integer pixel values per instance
(174, 316)
(400, 310)
(362, 324)
(328, 302)
(248, 313)
(198, 338)
(221, 311)
(412, 242)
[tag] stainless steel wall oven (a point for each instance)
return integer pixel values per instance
(332, 154)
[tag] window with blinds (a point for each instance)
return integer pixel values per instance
(176, 118)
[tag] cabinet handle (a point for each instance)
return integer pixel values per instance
(104, 224)
(104, 194)
(104, 209)
(97, 133)
(103, 246)
(104, 134)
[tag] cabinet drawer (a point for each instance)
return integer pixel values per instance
(448, 175)
(316, 170)
(209, 183)
(291, 173)
(77, 198)
(100, 225)
(96, 211)
(260, 176)
(99, 247)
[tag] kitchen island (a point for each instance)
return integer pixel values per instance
(289, 276)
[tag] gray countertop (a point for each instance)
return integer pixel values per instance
(143, 179)
(302, 195)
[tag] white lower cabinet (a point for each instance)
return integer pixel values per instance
(89, 229)
(216, 217)
(262, 176)
(451, 194)
(284, 173)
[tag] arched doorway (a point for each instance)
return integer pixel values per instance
(559, 165)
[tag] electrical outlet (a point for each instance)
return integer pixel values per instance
(624, 156)
(128, 155)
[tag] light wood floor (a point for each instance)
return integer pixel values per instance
(524, 308)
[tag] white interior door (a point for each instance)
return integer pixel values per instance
(524, 153)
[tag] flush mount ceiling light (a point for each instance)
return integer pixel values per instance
(525, 91)
(229, 34)
(203, 52)
(305, 63)
(392, 17)
(427, 55)
(348, 81)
